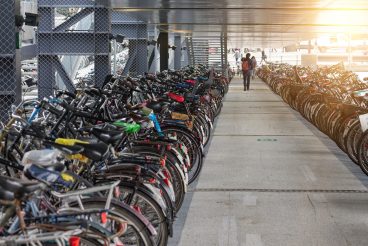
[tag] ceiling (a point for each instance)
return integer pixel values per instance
(257, 23)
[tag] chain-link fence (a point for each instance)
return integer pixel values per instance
(74, 45)
(7, 56)
(134, 52)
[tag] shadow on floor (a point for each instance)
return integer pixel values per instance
(335, 150)
(179, 222)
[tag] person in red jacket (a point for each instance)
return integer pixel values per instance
(247, 71)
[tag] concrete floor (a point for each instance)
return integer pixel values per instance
(271, 178)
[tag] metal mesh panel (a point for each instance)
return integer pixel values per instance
(101, 13)
(102, 68)
(65, 3)
(136, 51)
(119, 57)
(7, 57)
(78, 35)
(47, 71)
(120, 17)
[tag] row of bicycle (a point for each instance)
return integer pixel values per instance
(332, 98)
(109, 165)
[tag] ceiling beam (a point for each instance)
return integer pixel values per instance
(134, 9)
(259, 24)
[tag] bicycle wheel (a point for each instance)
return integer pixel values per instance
(194, 149)
(176, 177)
(149, 208)
(350, 141)
(137, 233)
(363, 153)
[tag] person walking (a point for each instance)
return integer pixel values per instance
(237, 55)
(254, 65)
(264, 57)
(246, 68)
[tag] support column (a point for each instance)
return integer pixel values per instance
(177, 54)
(47, 71)
(222, 53)
(164, 50)
(7, 57)
(18, 58)
(102, 24)
(225, 57)
(184, 53)
(138, 50)
(190, 51)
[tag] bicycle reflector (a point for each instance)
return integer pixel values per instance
(74, 241)
(167, 175)
(167, 182)
(117, 191)
(137, 208)
(103, 217)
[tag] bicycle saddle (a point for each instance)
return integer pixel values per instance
(158, 107)
(94, 151)
(108, 136)
(175, 97)
(17, 189)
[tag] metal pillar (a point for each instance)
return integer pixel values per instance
(55, 42)
(190, 51)
(135, 31)
(137, 51)
(226, 70)
(153, 54)
(163, 41)
(18, 58)
(222, 53)
(46, 70)
(184, 52)
(177, 53)
(7, 57)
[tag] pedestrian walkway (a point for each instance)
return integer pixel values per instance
(271, 178)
